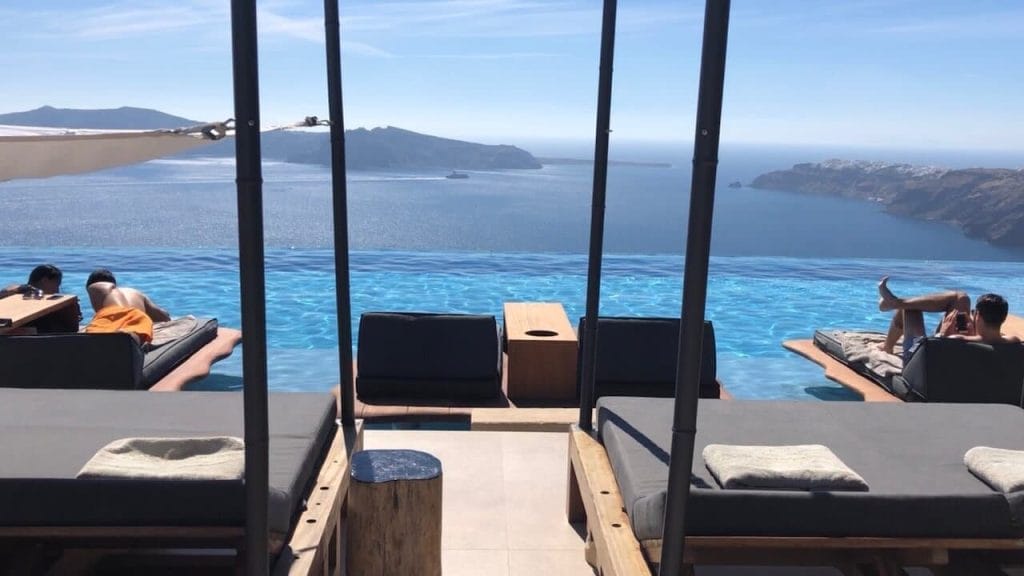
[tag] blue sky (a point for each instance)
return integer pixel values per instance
(895, 73)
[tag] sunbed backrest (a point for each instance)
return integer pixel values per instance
(637, 357)
(955, 370)
(89, 361)
(428, 355)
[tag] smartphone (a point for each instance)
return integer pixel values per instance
(961, 322)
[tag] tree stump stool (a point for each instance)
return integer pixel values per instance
(394, 514)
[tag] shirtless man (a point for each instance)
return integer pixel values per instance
(46, 279)
(121, 309)
(983, 324)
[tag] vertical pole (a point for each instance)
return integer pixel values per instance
(695, 281)
(597, 205)
(249, 182)
(339, 185)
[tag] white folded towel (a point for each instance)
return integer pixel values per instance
(1001, 469)
(214, 458)
(802, 467)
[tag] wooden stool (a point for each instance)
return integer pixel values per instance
(394, 514)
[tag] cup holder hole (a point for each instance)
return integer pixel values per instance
(541, 333)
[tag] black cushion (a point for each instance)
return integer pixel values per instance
(956, 370)
(113, 361)
(95, 361)
(424, 355)
(159, 362)
(637, 357)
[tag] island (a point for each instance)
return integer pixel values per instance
(736, 184)
(387, 148)
(985, 203)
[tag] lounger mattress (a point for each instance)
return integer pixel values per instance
(833, 343)
(910, 455)
(48, 435)
(159, 362)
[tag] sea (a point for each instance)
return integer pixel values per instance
(783, 264)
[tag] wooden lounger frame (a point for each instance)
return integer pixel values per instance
(594, 497)
(314, 546)
(198, 364)
(838, 372)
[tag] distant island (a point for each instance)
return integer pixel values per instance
(581, 161)
(375, 149)
(986, 203)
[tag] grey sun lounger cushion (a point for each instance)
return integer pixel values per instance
(48, 435)
(909, 454)
(801, 467)
(206, 458)
(858, 350)
(159, 361)
(1001, 469)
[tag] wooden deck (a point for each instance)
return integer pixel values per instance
(198, 365)
(839, 372)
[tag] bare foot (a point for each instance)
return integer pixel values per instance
(886, 299)
(881, 346)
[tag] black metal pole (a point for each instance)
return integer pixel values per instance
(339, 187)
(249, 181)
(597, 203)
(695, 280)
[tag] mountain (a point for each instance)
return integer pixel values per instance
(124, 118)
(384, 148)
(986, 203)
(379, 148)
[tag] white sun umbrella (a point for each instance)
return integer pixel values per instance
(36, 152)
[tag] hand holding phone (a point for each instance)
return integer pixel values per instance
(961, 322)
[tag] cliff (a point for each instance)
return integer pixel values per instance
(986, 203)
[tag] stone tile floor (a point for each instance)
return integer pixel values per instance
(504, 505)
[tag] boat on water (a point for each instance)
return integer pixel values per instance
(457, 175)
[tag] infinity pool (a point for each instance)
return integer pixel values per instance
(755, 303)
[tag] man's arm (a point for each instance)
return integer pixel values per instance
(155, 312)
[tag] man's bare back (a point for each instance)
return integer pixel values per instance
(104, 294)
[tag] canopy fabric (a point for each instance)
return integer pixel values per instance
(31, 152)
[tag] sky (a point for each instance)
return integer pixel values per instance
(920, 74)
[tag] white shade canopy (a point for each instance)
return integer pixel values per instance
(32, 152)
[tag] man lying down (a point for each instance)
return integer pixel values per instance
(121, 309)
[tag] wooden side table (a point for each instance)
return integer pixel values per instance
(16, 310)
(542, 350)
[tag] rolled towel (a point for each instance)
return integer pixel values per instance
(214, 458)
(1001, 469)
(802, 467)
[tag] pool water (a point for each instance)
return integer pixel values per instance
(755, 302)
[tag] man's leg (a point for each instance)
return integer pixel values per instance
(938, 302)
(906, 323)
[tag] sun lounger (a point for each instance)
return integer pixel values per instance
(100, 361)
(49, 435)
(939, 370)
(922, 501)
(428, 356)
(637, 357)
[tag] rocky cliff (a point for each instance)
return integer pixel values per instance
(986, 203)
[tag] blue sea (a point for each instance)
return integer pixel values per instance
(783, 264)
